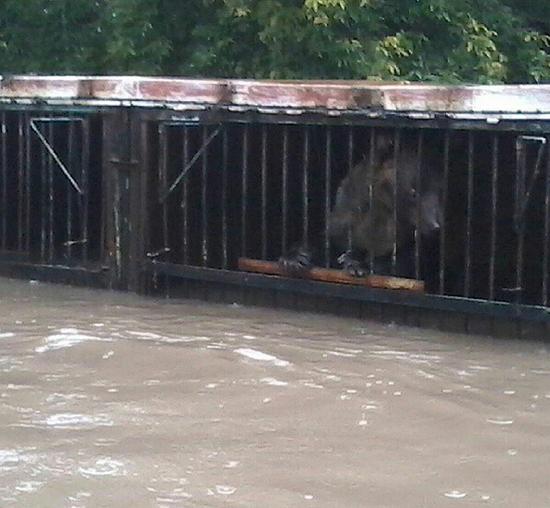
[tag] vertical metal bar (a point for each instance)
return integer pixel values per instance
(328, 171)
(494, 204)
(51, 142)
(305, 186)
(204, 204)
(350, 168)
(443, 232)
(185, 197)
(117, 227)
(519, 181)
(264, 191)
(20, 182)
(163, 182)
(396, 150)
(244, 185)
(225, 162)
(284, 203)
(418, 197)
(372, 158)
(85, 187)
(546, 248)
(43, 202)
(28, 162)
(4, 180)
(470, 198)
(519, 266)
(521, 163)
(105, 193)
(69, 189)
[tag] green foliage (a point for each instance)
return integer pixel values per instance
(490, 41)
(50, 36)
(134, 42)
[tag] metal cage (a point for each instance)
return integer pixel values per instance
(166, 184)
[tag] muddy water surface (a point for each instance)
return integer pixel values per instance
(110, 400)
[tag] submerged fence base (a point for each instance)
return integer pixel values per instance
(389, 306)
(168, 200)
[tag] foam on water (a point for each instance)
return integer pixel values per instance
(499, 421)
(104, 466)
(9, 459)
(76, 421)
(455, 494)
(145, 335)
(62, 398)
(225, 490)
(28, 486)
(341, 353)
(67, 337)
(273, 382)
(254, 354)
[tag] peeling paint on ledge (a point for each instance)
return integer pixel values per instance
(331, 96)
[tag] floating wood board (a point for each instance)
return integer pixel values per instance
(334, 276)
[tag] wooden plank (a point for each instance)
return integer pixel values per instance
(334, 276)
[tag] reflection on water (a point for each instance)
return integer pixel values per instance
(110, 399)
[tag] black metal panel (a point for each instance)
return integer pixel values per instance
(217, 185)
(386, 297)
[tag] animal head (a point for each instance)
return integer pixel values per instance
(426, 210)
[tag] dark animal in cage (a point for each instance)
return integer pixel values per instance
(387, 203)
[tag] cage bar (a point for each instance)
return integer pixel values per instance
(396, 155)
(284, 192)
(225, 156)
(51, 142)
(350, 167)
(204, 202)
(444, 202)
(4, 147)
(21, 181)
(185, 199)
(418, 198)
(546, 238)
(305, 185)
(494, 205)
(69, 191)
(264, 192)
(372, 158)
(469, 209)
(327, 176)
(244, 189)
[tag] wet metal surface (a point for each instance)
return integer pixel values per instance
(113, 400)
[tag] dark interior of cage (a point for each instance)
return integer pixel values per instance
(255, 190)
(50, 187)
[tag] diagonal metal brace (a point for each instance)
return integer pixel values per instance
(190, 164)
(524, 188)
(56, 158)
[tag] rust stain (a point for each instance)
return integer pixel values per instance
(328, 95)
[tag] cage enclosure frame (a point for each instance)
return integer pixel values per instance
(161, 185)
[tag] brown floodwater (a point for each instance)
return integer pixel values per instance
(110, 399)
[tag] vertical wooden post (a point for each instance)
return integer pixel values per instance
(124, 209)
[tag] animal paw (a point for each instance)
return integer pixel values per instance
(350, 265)
(297, 262)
